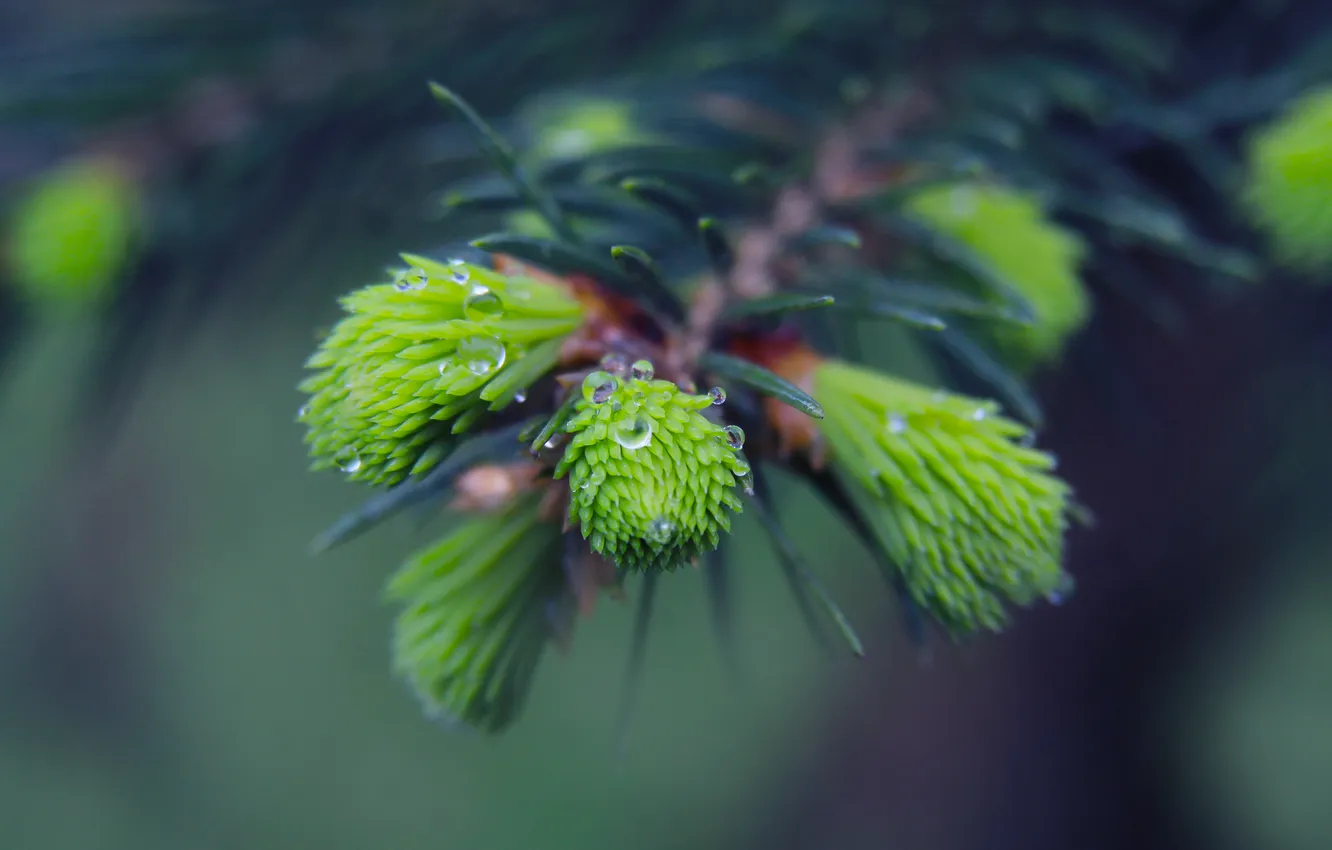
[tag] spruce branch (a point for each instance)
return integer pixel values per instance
(680, 259)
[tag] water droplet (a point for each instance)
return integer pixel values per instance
(660, 530)
(632, 432)
(1027, 440)
(979, 414)
(745, 474)
(481, 303)
(520, 397)
(735, 436)
(600, 386)
(1054, 461)
(411, 280)
(615, 363)
(718, 395)
(642, 370)
(1063, 590)
(303, 412)
(348, 460)
(896, 423)
(551, 444)
(482, 355)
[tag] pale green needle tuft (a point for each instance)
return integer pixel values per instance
(652, 479)
(1289, 191)
(1009, 230)
(475, 618)
(74, 234)
(423, 358)
(971, 516)
(571, 127)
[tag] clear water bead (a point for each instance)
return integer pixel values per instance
(348, 460)
(642, 370)
(660, 530)
(735, 436)
(303, 412)
(979, 414)
(481, 355)
(1063, 590)
(718, 395)
(481, 303)
(896, 423)
(599, 386)
(520, 397)
(459, 273)
(411, 280)
(615, 363)
(632, 432)
(744, 473)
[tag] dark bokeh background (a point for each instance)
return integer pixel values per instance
(177, 672)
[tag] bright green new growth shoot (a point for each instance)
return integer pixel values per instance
(970, 515)
(73, 235)
(1010, 231)
(423, 358)
(474, 622)
(1289, 191)
(571, 127)
(652, 479)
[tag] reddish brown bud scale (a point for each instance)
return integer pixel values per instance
(788, 357)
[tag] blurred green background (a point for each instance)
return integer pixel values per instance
(176, 671)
